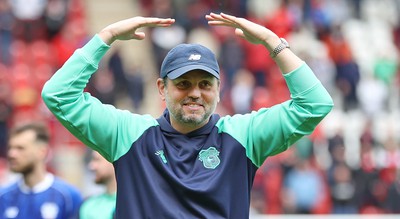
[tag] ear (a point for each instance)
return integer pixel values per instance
(161, 87)
(219, 92)
(44, 151)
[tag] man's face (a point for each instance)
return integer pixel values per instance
(191, 99)
(103, 170)
(25, 152)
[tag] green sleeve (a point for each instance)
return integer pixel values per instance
(269, 131)
(102, 127)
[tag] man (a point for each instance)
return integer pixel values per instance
(38, 194)
(103, 205)
(190, 162)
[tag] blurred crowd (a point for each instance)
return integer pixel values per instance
(36, 38)
(350, 164)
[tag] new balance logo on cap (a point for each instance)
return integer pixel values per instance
(194, 57)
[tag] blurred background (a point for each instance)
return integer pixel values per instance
(349, 165)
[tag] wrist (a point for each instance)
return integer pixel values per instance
(271, 43)
(106, 36)
(282, 45)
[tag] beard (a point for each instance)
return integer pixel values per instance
(24, 170)
(100, 180)
(193, 119)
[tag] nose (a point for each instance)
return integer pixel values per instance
(11, 153)
(195, 92)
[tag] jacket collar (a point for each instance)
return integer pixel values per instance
(40, 187)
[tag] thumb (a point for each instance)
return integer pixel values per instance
(139, 35)
(239, 32)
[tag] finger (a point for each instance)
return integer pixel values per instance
(221, 23)
(154, 22)
(139, 35)
(212, 15)
(229, 17)
(240, 22)
(218, 20)
(157, 20)
(167, 21)
(215, 17)
(239, 33)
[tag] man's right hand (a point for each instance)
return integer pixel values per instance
(126, 29)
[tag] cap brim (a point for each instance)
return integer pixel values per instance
(180, 71)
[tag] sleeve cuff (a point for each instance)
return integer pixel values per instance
(300, 79)
(95, 49)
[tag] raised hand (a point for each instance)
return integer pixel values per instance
(252, 32)
(257, 34)
(127, 29)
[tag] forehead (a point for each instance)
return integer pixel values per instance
(23, 138)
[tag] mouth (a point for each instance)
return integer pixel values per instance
(12, 162)
(13, 165)
(193, 106)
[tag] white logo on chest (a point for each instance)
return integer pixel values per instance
(49, 210)
(11, 212)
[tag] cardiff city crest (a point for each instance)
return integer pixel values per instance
(209, 158)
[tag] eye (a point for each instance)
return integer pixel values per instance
(183, 84)
(205, 84)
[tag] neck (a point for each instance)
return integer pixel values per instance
(35, 177)
(185, 128)
(111, 186)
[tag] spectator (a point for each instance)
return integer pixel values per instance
(55, 16)
(116, 67)
(231, 59)
(38, 194)
(6, 109)
(126, 82)
(347, 70)
(373, 96)
(343, 190)
(6, 24)
(103, 205)
(391, 204)
(103, 86)
(242, 92)
(303, 187)
(29, 19)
